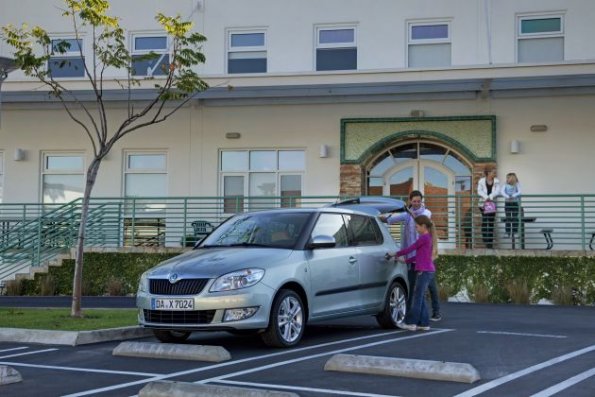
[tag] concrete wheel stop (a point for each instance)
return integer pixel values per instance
(172, 351)
(182, 389)
(409, 368)
(9, 375)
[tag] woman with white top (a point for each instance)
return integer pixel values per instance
(488, 188)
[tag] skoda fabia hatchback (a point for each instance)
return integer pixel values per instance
(273, 272)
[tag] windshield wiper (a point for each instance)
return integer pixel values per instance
(244, 244)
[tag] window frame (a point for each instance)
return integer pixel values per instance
(2, 171)
(134, 52)
(75, 55)
(126, 170)
(542, 35)
(229, 48)
(420, 42)
(342, 45)
(45, 155)
(247, 173)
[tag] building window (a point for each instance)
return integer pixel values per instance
(1, 175)
(336, 48)
(246, 52)
(66, 59)
(269, 177)
(63, 177)
(150, 55)
(429, 45)
(145, 175)
(540, 39)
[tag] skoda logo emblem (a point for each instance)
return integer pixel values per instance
(173, 278)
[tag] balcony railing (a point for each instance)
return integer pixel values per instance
(32, 233)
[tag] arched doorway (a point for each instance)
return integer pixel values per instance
(442, 174)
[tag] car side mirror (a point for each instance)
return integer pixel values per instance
(322, 241)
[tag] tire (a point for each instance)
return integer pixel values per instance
(395, 307)
(171, 336)
(287, 321)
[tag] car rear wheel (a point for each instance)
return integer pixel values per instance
(171, 336)
(395, 307)
(287, 322)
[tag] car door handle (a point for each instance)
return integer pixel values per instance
(352, 260)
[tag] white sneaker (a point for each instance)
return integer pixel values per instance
(423, 327)
(408, 327)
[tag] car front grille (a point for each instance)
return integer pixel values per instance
(192, 286)
(179, 317)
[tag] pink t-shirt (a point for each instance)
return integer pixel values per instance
(423, 253)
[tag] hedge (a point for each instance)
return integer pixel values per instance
(495, 279)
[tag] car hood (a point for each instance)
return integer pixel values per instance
(214, 262)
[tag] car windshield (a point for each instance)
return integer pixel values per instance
(267, 229)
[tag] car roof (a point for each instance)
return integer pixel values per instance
(368, 205)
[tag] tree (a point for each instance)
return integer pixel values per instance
(33, 50)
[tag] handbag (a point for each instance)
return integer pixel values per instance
(489, 207)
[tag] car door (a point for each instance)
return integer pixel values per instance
(375, 262)
(334, 272)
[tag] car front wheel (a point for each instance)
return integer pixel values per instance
(171, 336)
(287, 322)
(395, 307)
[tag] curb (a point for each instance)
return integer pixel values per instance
(71, 338)
(181, 389)
(410, 368)
(172, 351)
(9, 375)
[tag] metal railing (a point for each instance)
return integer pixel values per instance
(32, 234)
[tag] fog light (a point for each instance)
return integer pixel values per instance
(239, 314)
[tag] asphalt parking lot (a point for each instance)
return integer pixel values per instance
(518, 351)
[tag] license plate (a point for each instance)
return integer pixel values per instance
(172, 304)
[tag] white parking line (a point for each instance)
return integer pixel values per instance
(522, 334)
(505, 379)
(295, 360)
(310, 389)
(228, 363)
(28, 353)
(550, 391)
(13, 349)
(90, 370)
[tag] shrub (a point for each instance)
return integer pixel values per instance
(47, 285)
(114, 287)
(518, 292)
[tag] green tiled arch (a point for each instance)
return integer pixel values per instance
(474, 136)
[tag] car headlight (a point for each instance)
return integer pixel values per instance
(143, 284)
(239, 279)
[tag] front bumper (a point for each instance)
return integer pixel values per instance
(209, 308)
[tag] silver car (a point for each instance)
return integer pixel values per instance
(272, 272)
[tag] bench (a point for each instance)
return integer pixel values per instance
(547, 233)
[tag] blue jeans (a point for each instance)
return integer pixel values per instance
(411, 276)
(418, 312)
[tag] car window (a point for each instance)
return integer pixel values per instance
(331, 225)
(363, 230)
(271, 229)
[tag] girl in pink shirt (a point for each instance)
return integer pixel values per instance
(426, 250)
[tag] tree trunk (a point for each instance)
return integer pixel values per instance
(77, 282)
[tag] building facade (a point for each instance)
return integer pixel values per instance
(321, 98)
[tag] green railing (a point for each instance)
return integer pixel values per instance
(32, 241)
(32, 234)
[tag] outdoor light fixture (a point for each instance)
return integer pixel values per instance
(19, 154)
(538, 128)
(515, 146)
(233, 135)
(323, 151)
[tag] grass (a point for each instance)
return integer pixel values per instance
(60, 319)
